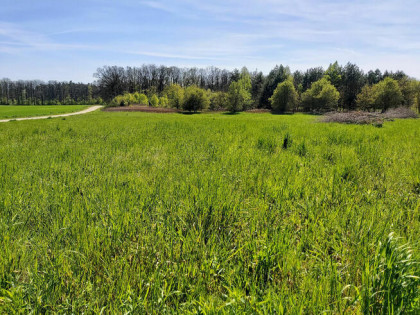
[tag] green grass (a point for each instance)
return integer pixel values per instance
(9, 111)
(211, 213)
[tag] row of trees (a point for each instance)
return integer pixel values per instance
(288, 95)
(235, 90)
(35, 92)
(254, 89)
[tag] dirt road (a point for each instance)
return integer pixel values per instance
(85, 111)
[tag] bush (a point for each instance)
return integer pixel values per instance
(366, 99)
(141, 98)
(154, 100)
(163, 101)
(218, 100)
(175, 95)
(195, 99)
(322, 96)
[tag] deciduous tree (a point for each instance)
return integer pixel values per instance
(322, 96)
(195, 99)
(388, 94)
(285, 97)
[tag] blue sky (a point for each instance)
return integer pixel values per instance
(69, 40)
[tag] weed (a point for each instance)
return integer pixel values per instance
(287, 141)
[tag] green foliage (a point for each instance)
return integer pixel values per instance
(140, 98)
(175, 94)
(149, 213)
(322, 96)
(238, 97)
(352, 81)
(195, 99)
(312, 75)
(388, 94)
(276, 76)
(163, 101)
(120, 100)
(417, 96)
(285, 97)
(218, 100)
(334, 73)
(366, 99)
(245, 79)
(239, 94)
(408, 91)
(384, 95)
(154, 100)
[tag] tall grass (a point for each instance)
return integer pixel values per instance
(212, 213)
(391, 280)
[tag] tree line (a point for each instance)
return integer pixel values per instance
(36, 92)
(336, 88)
(316, 89)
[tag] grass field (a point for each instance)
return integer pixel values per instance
(9, 111)
(208, 213)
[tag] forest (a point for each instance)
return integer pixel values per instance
(336, 88)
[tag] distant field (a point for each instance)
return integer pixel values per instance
(249, 213)
(8, 111)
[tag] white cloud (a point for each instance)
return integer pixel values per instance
(233, 33)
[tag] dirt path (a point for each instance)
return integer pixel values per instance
(85, 111)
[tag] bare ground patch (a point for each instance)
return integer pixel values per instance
(141, 108)
(258, 110)
(360, 117)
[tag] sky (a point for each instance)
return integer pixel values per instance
(68, 40)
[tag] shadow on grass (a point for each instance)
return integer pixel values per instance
(273, 112)
(231, 113)
(188, 113)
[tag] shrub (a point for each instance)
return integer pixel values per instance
(141, 98)
(366, 99)
(175, 95)
(322, 96)
(154, 100)
(195, 99)
(218, 100)
(287, 141)
(163, 101)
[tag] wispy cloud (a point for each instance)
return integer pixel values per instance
(20, 40)
(229, 33)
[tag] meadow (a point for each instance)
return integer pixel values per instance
(208, 213)
(16, 111)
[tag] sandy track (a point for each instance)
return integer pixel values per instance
(85, 111)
